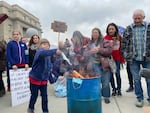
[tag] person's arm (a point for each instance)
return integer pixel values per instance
(9, 54)
(106, 48)
(26, 54)
(123, 47)
(125, 42)
(45, 53)
(49, 52)
(26, 57)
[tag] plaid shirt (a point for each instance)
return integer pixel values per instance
(128, 48)
(138, 41)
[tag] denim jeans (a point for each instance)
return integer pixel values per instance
(34, 94)
(105, 79)
(118, 78)
(135, 69)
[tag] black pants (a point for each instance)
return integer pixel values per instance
(2, 87)
(130, 76)
(34, 94)
(8, 78)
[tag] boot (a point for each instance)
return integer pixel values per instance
(113, 92)
(119, 93)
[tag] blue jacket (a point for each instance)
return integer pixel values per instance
(41, 67)
(16, 53)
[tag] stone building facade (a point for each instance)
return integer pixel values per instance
(18, 19)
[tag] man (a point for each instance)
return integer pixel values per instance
(136, 51)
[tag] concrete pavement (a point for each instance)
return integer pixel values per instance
(123, 104)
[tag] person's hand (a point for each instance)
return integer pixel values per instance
(94, 50)
(26, 66)
(14, 67)
(58, 52)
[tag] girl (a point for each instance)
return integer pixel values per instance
(17, 56)
(40, 73)
(33, 45)
(112, 34)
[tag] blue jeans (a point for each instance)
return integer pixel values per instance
(105, 79)
(118, 78)
(34, 94)
(135, 69)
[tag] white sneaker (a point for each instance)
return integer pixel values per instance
(139, 103)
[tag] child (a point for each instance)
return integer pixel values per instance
(40, 73)
(17, 56)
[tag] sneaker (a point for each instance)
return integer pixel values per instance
(139, 103)
(119, 93)
(107, 101)
(113, 92)
(30, 110)
(130, 89)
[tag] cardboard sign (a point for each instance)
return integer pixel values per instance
(58, 26)
(19, 84)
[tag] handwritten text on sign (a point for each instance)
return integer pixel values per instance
(19, 83)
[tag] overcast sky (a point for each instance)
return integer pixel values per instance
(82, 15)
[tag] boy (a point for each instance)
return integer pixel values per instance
(40, 73)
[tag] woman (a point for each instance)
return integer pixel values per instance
(101, 49)
(80, 46)
(112, 34)
(33, 45)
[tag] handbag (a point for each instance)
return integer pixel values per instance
(112, 65)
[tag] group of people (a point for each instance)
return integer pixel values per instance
(36, 54)
(132, 47)
(86, 55)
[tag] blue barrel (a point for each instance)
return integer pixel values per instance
(84, 95)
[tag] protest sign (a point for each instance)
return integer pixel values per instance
(19, 83)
